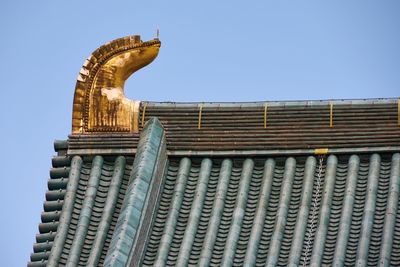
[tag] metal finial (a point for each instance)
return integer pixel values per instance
(158, 33)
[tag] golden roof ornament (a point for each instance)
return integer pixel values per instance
(100, 104)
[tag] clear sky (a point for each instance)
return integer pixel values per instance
(211, 51)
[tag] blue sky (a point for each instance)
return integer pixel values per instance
(211, 51)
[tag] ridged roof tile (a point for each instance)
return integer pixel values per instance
(229, 202)
(110, 182)
(260, 211)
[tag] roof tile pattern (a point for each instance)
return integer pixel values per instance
(219, 127)
(284, 211)
(52, 206)
(280, 126)
(94, 203)
(98, 200)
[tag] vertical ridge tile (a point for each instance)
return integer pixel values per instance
(147, 219)
(391, 211)
(220, 196)
(86, 212)
(195, 213)
(301, 225)
(141, 179)
(227, 215)
(280, 223)
(324, 215)
(294, 206)
(380, 210)
(358, 210)
(179, 190)
(238, 214)
(102, 230)
(369, 211)
(66, 213)
(395, 255)
(256, 231)
(336, 209)
(249, 214)
(184, 213)
(271, 211)
(345, 221)
(205, 215)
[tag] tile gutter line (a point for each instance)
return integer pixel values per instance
(281, 151)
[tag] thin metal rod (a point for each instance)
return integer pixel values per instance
(144, 113)
(265, 115)
(398, 112)
(200, 114)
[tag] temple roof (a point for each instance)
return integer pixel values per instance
(158, 210)
(218, 184)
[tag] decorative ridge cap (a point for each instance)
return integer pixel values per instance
(100, 104)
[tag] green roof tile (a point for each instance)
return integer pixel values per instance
(262, 214)
(222, 208)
